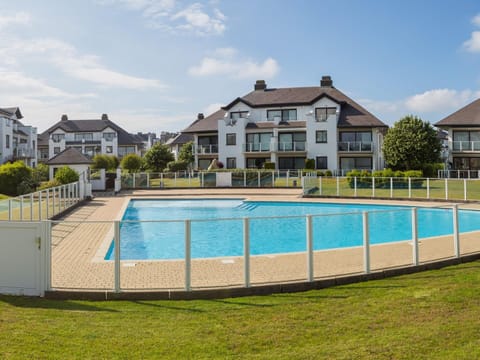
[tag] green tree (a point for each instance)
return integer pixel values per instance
(186, 153)
(100, 161)
(157, 158)
(15, 179)
(113, 161)
(411, 144)
(131, 162)
(40, 173)
(66, 175)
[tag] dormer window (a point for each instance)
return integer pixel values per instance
(322, 114)
(234, 115)
(282, 115)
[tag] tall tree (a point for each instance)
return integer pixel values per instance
(157, 158)
(411, 144)
(131, 162)
(186, 153)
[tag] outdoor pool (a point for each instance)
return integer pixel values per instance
(155, 229)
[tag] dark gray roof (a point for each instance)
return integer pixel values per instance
(351, 115)
(124, 138)
(10, 111)
(69, 156)
(180, 139)
(207, 124)
(469, 115)
(42, 139)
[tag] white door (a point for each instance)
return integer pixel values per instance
(20, 258)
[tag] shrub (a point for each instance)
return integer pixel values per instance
(66, 175)
(12, 175)
(179, 165)
(267, 165)
(328, 173)
(49, 184)
(131, 162)
(310, 164)
(40, 174)
(382, 178)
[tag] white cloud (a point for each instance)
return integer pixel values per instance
(20, 18)
(210, 109)
(66, 58)
(170, 15)
(476, 20)
(473, 44)
(225, 62)
(438, 100)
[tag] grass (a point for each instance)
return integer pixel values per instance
(429, 315)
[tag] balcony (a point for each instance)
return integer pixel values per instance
(296, 146)
(206, 149)
(465, 146)
(355, 146)
(23, 153)
(256, 147)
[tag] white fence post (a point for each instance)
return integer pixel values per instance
(48, 254)
(188, 255)
(116, 225)
(409, 187)
(39, 206)
(10, 210)
(246, 251)
(366, 244)
(338, 186)
(21, 207)
(456, 234)
(414, 236)
(320, 183)
(244, 179)
(428, 188)
(48, 203)
(446, 189)
(310, 261)
(258, 178)
(355, 186)
(31, 207)
(465, 189)
(373, 186)
(391, 187)
(288, 173)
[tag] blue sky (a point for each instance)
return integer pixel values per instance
(152, 65)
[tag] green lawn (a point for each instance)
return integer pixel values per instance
(429, 315)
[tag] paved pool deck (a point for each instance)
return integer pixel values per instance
(81, 238)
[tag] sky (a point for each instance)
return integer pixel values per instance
(153, 65)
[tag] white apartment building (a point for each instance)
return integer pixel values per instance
(89, 137)
(286, 126)
(17, 141)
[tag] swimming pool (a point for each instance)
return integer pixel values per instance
(155, 229)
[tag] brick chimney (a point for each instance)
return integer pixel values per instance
(200, 116)
(104, 117)
(64, 117)
(326, 81)
(260, 85)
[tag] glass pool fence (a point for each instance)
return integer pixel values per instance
(94, 255)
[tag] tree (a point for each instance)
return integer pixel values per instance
(157, 158)
(186, 153)
(66, 175)
(100, 161)
(411, 144)
(131, 162)
(40, 173)
(15, 179)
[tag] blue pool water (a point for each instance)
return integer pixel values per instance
(155, 229)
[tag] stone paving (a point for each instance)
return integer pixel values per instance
(81, 239)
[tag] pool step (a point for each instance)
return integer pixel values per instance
(247, 206)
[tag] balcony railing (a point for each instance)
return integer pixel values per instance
(466, 145)
(256, 147)
(206, 149)
(355, 146)
(23, 153)
(292, 146)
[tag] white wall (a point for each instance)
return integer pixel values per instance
(79, 168)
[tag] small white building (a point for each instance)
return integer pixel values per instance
(70, 157)
(287, 126)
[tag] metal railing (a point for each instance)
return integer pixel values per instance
(393, 188)
(116, 270)
(205, 149)
(40, 205)
(459, 174)
(256, 147)
(292, 146)
(466, 145)
(355, 146)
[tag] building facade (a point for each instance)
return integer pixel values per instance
(17, 141)
(286, 126)
(89, 137)
(463, 128)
